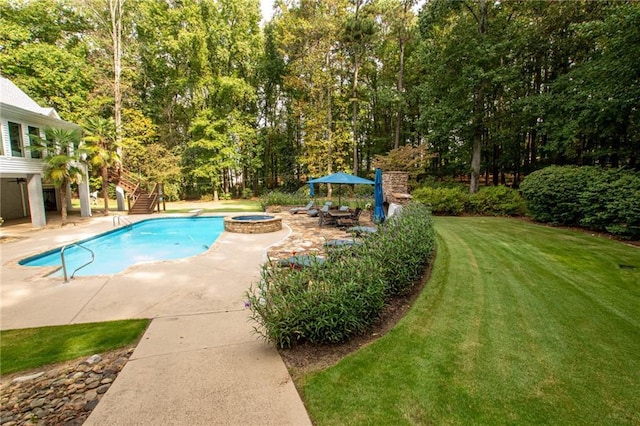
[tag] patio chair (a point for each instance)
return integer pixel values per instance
(305, 209)
(352, 220)
(324, 217)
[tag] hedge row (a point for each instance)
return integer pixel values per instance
(489, 201)
(335, 300)
(593, 197)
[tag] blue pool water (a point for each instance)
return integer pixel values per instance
(145, 241)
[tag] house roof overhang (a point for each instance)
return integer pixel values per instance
(11, 112)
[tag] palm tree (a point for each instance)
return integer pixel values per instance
(63, 155)
(101, 142)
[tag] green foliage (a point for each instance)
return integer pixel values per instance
(247, 193)
(442, 200)
(597, 198)
(46, 54)
(276, 198)
(611, 202)
(496, 201)
(451, 198)
(34, 347)
(408, 158)
(333, 301)
(552, 194)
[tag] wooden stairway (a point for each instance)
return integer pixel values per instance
(140, 199)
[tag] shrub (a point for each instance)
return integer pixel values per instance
(333, 301)
(552, 194)
(442, 200)
(611, 202)
(276, 198)
(496, 201)
(403, 247)
(597, 198)
(247, 193)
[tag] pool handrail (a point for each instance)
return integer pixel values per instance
(64, 265)
(118, 218)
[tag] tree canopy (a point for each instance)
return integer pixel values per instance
(212, 100)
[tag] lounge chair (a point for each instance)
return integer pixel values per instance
(316, 212)
(305, 209)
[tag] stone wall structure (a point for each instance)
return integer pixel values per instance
(395, 187)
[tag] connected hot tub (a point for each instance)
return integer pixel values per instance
(252, 224)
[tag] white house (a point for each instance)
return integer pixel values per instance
(22, 191)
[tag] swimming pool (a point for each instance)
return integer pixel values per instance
(145, 241)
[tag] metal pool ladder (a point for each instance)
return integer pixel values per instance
(119, 218)
(64, 265)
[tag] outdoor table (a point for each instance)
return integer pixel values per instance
(339, 213)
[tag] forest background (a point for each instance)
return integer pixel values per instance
(206, 99)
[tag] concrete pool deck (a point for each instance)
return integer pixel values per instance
(198, 363)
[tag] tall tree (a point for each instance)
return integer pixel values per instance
(44, 51)
(103, 150)
(62, 153)
(359, 31)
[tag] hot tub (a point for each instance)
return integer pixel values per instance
(252, 224)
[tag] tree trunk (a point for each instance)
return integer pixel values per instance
(400, 86)
(354, 95)
(354, 99)
(475, 162)
(105, 189)
(63, 204)
(478, 124)
(116, 10)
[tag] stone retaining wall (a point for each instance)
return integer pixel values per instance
(252, 226)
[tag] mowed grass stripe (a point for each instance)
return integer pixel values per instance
(519, 324)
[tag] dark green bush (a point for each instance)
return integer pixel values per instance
(496, 201)
(331, 302)
(553, 195)
(442, 200)
(596, 198)
(611, 202)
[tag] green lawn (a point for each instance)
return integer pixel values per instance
(225, 206)
(519, 324)
(28, 348)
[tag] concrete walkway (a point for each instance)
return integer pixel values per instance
(199, 362)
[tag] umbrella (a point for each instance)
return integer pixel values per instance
(378, 211)
(312, 192)
(342, 178)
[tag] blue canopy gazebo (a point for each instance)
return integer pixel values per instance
(342, 178)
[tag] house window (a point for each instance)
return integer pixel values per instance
(15, 136)
(34, 131)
